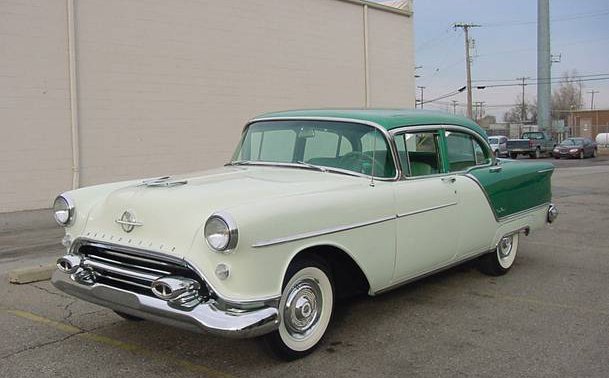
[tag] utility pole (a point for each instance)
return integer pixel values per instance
(479, 105)
(468, 64)
(523, 114)
(455, 102)
(422, 89)
(544, 66)
(592, 92)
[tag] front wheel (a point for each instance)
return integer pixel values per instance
(499, 262)
(582, 155)
(536, 154)
(513, 155)
(594, 153)
(305, 310)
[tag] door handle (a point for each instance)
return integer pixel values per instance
(495, 169)
(449, 180)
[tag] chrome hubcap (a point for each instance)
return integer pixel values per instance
(302, 308)
(505, 247)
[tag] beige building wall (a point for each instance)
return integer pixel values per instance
(35, 149)
(166, 86)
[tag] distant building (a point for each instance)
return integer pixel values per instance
(588, 123)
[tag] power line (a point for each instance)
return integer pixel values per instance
(598, 13)
(536, 79)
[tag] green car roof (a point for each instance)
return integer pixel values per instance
(387, 118)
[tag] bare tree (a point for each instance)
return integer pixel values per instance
(514, 114)
(567, 96)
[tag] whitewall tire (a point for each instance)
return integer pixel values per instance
(305, 310)
(500, 261)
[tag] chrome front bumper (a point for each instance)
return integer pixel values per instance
(205, 317)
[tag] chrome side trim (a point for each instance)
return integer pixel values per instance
(546, 170)
(326, 231)
(426, 210)
(523, 212)
(384, 132)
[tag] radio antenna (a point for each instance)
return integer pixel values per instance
(373, 157)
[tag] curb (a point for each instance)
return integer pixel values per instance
(31, 274)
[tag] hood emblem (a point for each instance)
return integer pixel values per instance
(128, 221)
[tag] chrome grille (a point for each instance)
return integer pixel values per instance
(133, 270)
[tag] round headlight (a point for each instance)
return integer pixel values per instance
(221, 233)
(63, 211)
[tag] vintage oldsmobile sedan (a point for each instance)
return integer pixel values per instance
(313, 206)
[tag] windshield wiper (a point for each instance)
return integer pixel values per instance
(241, 162)
(313, 166)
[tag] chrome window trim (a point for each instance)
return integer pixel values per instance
(325, 231)
(384, 132)
(437, 128)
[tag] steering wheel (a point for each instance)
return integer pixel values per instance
(362, 163)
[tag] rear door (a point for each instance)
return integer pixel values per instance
(426, 206)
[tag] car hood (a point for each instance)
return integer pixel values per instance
(172, 215)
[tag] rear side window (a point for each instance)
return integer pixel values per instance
(464, 151)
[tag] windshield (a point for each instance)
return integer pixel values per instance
(493, 140)
(572, 142)
(337, 146)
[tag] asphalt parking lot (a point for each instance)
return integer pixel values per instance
(548, 317)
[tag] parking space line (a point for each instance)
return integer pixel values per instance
(78, 332)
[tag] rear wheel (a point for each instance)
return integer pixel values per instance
(305, 309)
(499, 262)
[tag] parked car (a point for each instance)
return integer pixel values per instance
(532, 143)
(498, 145)
(313, 206)
(576, 148)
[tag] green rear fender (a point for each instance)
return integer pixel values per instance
(516, 187)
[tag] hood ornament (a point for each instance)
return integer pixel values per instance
(128, 221)
(163, 182)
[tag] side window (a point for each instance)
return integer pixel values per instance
(463, 151)
(375, 156)
(420, 153)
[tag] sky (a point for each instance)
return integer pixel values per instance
(506, 48)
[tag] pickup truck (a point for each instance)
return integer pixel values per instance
(532, 143)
